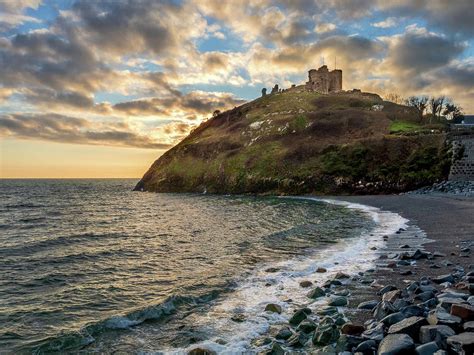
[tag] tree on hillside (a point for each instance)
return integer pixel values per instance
(453, 112)
(436, 105)
(216, 113)
(419, 103)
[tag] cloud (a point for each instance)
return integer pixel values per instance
(325, 27)
(59, 128)
(419, 49)
(190, 104)
(11, 13)
(387, 23)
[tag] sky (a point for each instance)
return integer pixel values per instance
(103, 88)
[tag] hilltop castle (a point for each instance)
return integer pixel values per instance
(324, 81)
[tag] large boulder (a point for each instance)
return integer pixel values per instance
(444, 278)
(338, 301)
(462, 344)
(352, 329)
(410, 326)
(369, 305)
(396, 344)
(316, 293)
(307, 326)
(284, 333)
(440, 317)
(427, 349)
(437, 333)
(325, 335)
(299, 316)
(463, 311)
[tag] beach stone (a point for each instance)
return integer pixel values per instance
(276, 350)
(316, 293)
(327, 311)
(447, 302)
(400, 303)
(386, 289)
(338, 301)
(201, 351)
(369, 305)
(307, 326)
(272, 269)
(330, 283)
(425, 296)
(341, 275)
(298, 340)
(443, 278)
(392, 319)
(453, 294)
(440, 317)
(348, 342)
(437, 333)
(463, 311)
(306, 284)
(440, 352)
(366, 347)
(344, 293)
(470, 300)
(383, 309)
(352, 329)
(412, 311)
(375, 333)
(299, 316)
(462, 343)
(427, 349)
(396, 344)
(391, 296)
(321, 270)
(273, 307)
(410, 326)
(325, 335)
(413, 286)
(238, 318)
(284, 333)
(406, 272)
(431, 303)
(469, 326)
(425, 288)
(403, 263)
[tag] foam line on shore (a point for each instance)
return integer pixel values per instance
(250, 298)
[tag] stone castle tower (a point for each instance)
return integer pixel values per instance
(324, 81)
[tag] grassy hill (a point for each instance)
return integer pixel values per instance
(297, 142)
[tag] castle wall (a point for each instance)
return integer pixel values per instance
(324, 81)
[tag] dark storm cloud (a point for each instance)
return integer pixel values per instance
(60, 128)
(120, 26)
(421, 50)
(192, 103)
(461, 75)
(454, 17)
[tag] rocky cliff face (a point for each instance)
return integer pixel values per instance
(298, 142)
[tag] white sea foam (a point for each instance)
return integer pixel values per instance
(250, 298)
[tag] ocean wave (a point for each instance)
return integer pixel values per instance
(350, 255)
(76, 340)
(59, 241)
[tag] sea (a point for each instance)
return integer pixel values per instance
(90, 266)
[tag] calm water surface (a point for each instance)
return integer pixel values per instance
(91, 265)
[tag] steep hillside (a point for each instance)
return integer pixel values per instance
(299, 141)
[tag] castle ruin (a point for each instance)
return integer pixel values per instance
(324, 81)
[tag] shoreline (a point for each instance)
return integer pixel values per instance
(437, 227)
(440, 228)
